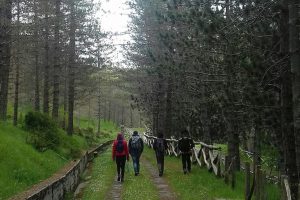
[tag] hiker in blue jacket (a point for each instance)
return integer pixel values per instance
(136, 147)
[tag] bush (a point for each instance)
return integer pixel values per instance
(43, 131)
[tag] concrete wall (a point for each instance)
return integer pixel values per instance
(68, 182)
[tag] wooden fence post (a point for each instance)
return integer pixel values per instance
(226, 178)
(219, 166)
(285, 188)
(263, 181)
(247, 180)
(232, 178)
(258, 183)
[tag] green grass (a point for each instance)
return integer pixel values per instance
(92, 123)
(139, 187)
(201, 184)
(269, 156)
(23, 166)
(88, 129)
(103, 175)
(20, 164)
(109, 129)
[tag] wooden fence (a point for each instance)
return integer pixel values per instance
(211, 157)
(204, 155)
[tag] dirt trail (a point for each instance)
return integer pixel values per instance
(164, 190)
(115, 192)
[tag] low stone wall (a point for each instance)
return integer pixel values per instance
(57, 187)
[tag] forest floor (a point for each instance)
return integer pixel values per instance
(198, 185)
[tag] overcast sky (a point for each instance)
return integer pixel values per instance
(114, 18)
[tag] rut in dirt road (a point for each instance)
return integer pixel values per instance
(164, 191)
(115, 192)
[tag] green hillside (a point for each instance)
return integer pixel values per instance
(22, 165)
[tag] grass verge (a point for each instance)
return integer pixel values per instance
(20, 164)
(139, 187)
(202, 185)
(102, 177)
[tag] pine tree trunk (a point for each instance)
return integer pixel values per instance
(56, 66)
(46, 61)
(109, 110)
(233, 135)
(168, 117)
(123, 113)
(116, 114)
(36, 60)
(289, 151)
(16, 100)
(204, 117)
(105, 110)
(99, 109)
(155, 121)
(295, 71)
(131, 117)
(71, 74)
(5, 46)
(64, 124)
(99, 117)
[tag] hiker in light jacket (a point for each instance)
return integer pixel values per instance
(160, 145)
(136, 147)
(185, 146)
(120, 154)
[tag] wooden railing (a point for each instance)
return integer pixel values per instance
(202, 154)
(211, 157)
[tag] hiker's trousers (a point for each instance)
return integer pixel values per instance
(136, 163)
(121, 160)
(186, 161)
(160, 158)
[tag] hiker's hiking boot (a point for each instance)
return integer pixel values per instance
(160, 174)
(119, 179)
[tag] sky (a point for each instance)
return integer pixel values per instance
(114, 18)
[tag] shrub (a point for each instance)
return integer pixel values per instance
(77, 131)
(87, 133)
(43, 131)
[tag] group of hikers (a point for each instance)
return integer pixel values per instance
(135, 147)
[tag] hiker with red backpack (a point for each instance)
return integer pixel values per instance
(136, 147)
(120, 154)
(160, 145)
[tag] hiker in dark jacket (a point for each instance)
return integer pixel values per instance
(120, 154)
(160, 145)
(136, 147)
(185, 146)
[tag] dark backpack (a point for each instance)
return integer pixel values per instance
(120, 146)
(136, 144)
(160, 145)
(185, 145)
